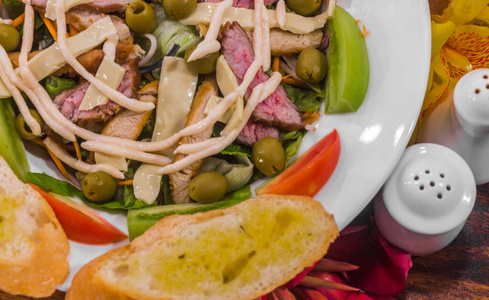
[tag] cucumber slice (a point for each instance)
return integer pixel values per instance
(140, 220)
(11, 146)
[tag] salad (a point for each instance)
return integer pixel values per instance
(148, 105)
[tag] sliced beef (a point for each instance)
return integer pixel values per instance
(241, 3)
(179, 181)
(103, 6)
(69, 101)
(82, 18)
(253, 132)
(276, 110)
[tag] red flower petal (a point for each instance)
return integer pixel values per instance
(297, 279)
(337, 294)
(282, 293)
(383, 267)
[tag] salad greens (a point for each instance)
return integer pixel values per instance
(64, 188)
(55, 85)
(140, 220)
(11, 146)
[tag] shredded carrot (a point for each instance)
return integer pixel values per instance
(73, 30)
(285, 77)
(365, 31)
(311, 117)
(51, 26)
(149, 76)
(77, 150)
(276, 64)
(19, 20)
(126, 182)
(293, 81)
(60, 166)
(38, 142)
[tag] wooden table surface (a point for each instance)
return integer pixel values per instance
(460, 271)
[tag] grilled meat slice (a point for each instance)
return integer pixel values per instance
(69, 101)
(102, 6)
(253, 132)
(82, 18)
(179, 181)
(276, 110)
(284, 42)
(129, 124)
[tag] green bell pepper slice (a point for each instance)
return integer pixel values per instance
(348, 65)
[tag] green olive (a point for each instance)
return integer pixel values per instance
(9, 37)
(312, 65)
(204, 65)
(141, 17)
(179, 9)
(268, 156)
(98, 187)
(303, 7)
(22, 128)
(208, 187)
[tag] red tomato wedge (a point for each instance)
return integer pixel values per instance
(80, 223)
(310, 172)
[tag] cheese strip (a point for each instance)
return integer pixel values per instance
(207, 148)
(50, 60)
(109, 73)
(176, 92)
(245, 17)
(51, 7)
(120, 163)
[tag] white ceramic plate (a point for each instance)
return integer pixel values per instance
(373, 138)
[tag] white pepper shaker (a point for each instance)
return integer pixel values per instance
(461, 123)
(426, 200)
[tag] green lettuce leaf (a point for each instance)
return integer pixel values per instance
(237, 174)
(64, 188)
(305, 100)
(291, 141)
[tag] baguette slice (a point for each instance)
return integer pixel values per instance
(33, 246)
(241, 252)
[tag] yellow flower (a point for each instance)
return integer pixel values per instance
(460, 43)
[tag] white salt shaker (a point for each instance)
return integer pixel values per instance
(461, 123)
(426, 200)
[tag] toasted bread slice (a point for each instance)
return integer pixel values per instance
(241, 252)
(33, 246)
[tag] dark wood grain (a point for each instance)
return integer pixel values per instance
(461, 270)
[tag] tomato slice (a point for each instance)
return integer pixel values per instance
(80, 223)
(310, 172)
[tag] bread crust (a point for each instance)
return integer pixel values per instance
(44, 265)
(89, 283)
